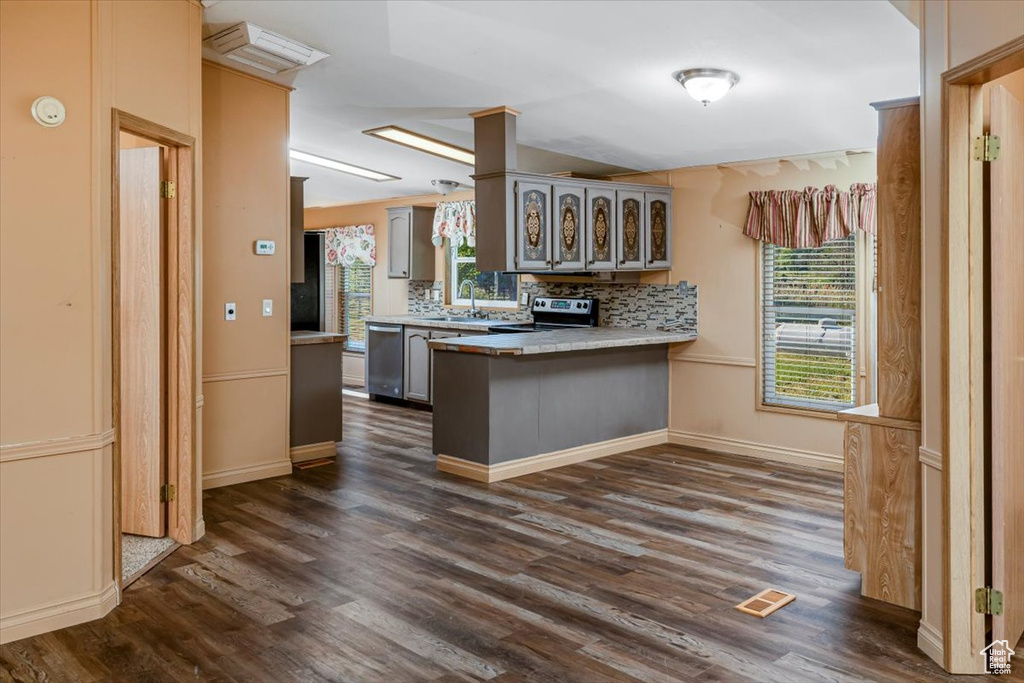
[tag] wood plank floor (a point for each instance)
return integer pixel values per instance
(378, 568)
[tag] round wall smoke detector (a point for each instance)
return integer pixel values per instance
(48, 111)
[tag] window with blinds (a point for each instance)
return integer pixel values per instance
(348, 302)
(809, 327)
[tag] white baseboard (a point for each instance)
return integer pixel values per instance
(313, 451)
(37, 620)
(547, 461)
(764, 451)
(239, 475)
(930, 642)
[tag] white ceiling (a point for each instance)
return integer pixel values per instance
(592, 80)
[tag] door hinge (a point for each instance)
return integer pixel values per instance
(988, 601)
(167, 493)
(168, 189)
(987, 147)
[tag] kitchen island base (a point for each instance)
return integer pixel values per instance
(502, 416)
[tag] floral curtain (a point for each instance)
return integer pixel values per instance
(455, 221)
(810, 217)
(349, 245)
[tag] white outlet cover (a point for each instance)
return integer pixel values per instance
(268, 308)
(230, 311)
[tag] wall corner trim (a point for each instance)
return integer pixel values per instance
(58, 615)
(929, 457)
(929, 640)
(762, 451)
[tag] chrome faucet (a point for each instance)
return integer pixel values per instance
(473, 311)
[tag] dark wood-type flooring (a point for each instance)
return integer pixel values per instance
(379, 568)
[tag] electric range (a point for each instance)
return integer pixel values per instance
(553, 313)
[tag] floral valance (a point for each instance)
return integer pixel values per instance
(349, 245)
(455, 221)
(812, 216)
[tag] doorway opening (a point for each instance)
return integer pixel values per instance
(153, 364)
(983, 103)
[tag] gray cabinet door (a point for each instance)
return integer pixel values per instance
(417, 364)
(658, 230)
(533, 226)
(399, 240)
(568, 234)
(600, 234)
(630, 219)
(438, 334)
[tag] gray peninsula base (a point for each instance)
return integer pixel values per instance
(496, 409)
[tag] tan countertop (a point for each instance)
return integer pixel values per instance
(303, 337)
(438, 321)
(560, 341)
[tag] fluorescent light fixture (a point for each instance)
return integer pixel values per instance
(407, 138)
(706, 85)
(340, 166)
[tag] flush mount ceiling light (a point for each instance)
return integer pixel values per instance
(423, 143)
(445, 187)
(340, 166)
(706, 85)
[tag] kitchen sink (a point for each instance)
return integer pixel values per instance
(457, 319)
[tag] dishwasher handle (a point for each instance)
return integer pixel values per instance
(390, 330)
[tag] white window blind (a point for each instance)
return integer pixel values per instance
(809, 327)
(348, 302)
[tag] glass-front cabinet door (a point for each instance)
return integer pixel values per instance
(568, 237)
(658, 232)
(533, 226)
(600, 232)
(630, 219)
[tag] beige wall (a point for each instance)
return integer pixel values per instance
(56, 546)
(713, 380)
(245, 378)
(952, 32)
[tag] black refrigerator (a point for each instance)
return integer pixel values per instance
(308, 295)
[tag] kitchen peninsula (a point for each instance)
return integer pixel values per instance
(508, 405)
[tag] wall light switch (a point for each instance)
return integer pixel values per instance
(268, 308)
(265, 247)
(229, 311)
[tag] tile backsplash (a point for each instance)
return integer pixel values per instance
(622, 305)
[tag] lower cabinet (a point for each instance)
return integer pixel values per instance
(419, 362)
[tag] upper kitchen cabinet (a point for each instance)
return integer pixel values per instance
(657, 236)
(600, 228)
(297, 231)
(533, 226)
(630, 218)
(410, 252)
(568, 237)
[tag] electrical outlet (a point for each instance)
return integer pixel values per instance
(427, 293)
(436, 294)
(268, 308)
(524, 298)
(229, 311)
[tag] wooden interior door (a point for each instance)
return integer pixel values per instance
(142, 432)
(1006, 244)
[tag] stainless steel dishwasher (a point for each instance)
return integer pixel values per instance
(385, 366)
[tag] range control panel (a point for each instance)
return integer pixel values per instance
(549, 304)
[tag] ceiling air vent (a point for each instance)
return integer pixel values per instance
(262, 49)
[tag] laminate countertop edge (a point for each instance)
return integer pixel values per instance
(302, 338)
(560, 341)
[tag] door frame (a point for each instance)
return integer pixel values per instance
(963, 342)
(180, 325)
